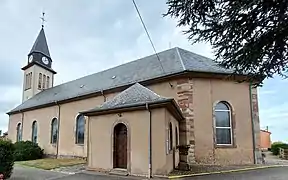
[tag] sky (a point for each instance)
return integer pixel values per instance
(103, 34)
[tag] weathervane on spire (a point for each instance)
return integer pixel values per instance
(43, 18)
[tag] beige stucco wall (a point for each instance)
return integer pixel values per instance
(67, 126)
(207, 93)
(43, 118)
(34, 81)
(101, 141)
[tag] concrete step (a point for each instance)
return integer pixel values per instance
(119, 172)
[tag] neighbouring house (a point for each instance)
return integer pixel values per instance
(4, 136)
(135, 115)
(265, 139)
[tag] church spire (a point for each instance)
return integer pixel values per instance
(39, 54)
(40, 45)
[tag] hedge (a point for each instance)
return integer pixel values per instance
(27, 150)
(275, 147)
(6, 158)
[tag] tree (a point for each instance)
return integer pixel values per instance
(248, 36)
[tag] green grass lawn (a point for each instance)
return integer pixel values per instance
(49, 163)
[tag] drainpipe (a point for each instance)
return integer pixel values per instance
(149, 143)
(22, 121)
(103, 95)
(252, 122)
(88, 141)
(58, 132)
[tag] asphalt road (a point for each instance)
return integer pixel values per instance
(279, 173)
(21, 173)
(26, 173)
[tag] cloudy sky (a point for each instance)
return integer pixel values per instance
(103, 34)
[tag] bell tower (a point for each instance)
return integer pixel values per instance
(38, 72)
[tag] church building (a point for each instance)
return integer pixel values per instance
(145, 117)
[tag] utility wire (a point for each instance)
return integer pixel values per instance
(138, 12)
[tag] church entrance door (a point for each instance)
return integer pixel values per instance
(120, 146)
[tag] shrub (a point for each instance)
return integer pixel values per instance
(27, 150)
(6, 158)
(275, 147)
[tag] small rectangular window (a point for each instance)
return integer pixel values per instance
(44, 81)
(40, 81)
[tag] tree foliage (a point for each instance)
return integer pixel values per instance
(27, 150)
(275, 147)
(6, 158)
(249, 36)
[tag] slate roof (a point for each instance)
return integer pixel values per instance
(40, 45)
(137, 96)
(134, 95)
(173, 60)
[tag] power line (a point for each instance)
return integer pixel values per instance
(138, 12)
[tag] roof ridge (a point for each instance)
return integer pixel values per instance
(114, 67)
(134, 94)
(142, 69)
(138, 85)
(180, 57)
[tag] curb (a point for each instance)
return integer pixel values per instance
(226, 171)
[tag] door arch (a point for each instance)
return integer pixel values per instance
(120, 146)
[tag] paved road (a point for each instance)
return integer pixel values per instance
(21, 173)
(26, 173)
(280, 173)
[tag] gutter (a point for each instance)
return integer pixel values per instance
(123, 86)
(149, 143)
(252, 123)
(58, 132)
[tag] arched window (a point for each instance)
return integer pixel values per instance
(80, 128)
(48, 81)
(26, 82)
(29, 80)
(54, 131)
(34, 132)
(223, 124)
(19, 132)
(176, 136)
(170, 136)
(44, 81)
(40, 81)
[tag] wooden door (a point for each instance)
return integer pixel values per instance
(120, 146)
